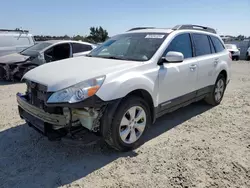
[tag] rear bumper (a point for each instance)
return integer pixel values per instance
(26, 111)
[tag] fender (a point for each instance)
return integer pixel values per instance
(128, 82)
(223, 65)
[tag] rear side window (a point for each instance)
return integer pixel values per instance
(181, 43)
(217, 43)
(201, 44)
(211, 46)
(80, 47)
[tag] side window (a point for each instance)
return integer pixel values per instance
(217, 43)
(201, 44)
(211, 46)
(87, 47)
(181, 43)
(57, 52)
(80, 47)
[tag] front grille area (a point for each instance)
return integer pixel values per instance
(38, 95)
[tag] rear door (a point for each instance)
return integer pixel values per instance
(207, 58)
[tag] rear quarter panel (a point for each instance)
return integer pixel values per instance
(224, 64)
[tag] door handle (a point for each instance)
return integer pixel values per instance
(192, 67)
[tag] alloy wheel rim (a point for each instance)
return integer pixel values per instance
(132, 125)
(219, 89)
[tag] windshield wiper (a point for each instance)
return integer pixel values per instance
(88, 55)
(112, 57)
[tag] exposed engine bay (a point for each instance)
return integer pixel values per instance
(14, 72)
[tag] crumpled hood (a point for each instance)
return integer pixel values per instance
(13, 58)
(64, 73)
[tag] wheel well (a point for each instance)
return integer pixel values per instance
(224, 73)
(147, 97)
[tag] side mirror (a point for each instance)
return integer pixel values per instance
(173, 57)
(238, 48)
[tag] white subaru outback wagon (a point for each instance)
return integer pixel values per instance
(124, 84)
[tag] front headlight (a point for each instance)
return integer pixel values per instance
(78, 92)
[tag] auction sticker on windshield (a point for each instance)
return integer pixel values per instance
(155, 36)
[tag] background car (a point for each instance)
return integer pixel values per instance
(234, 50)
(248, 54)
(13, 66)
(14, 41)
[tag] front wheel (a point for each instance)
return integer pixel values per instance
(216, 95)
(248, 57)
(129, 124)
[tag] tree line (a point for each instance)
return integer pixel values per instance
(96, 35)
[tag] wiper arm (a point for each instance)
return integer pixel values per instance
(112, 57)
(88, 55)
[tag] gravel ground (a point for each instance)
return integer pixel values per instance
(196, 146)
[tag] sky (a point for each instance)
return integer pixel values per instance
(72, 17)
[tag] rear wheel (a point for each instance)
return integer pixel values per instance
(129, 124)
(216, 96)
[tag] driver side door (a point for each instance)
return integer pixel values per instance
(177, 81)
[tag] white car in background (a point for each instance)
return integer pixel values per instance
(248, 54)
(234, 50)
(14, 41)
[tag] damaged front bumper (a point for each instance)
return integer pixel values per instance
(38, 117)
(57, 125)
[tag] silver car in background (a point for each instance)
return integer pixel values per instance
(14, 66)
(12, 41)
(234, 50)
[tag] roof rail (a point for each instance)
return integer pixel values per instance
(138, 28)
(14, 30)
(194, 27)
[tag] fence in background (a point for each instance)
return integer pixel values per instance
(243, 45)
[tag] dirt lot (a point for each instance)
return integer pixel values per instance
(196, 146)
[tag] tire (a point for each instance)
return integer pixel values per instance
(211, 98)
(131, 104)
(2, 73)
(237, 58)
(248, 57)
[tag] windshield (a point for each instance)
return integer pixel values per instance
(131, 46)
(231, 46)
(35, 49)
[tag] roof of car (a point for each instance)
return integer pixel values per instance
(186, 27)
(65, 41)
(152, 30)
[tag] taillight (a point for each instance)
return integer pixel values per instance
(230, 55)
